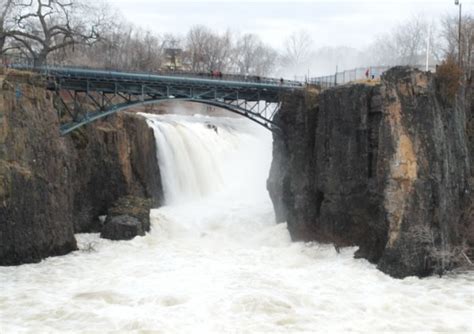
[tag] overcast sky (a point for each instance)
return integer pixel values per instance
(330, 22)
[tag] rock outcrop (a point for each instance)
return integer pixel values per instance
(123, 227)
(53, 186)
(384, 167)
(35, 175)
(127, 218)
(112, 158)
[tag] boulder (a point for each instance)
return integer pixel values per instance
(122, 227)
(128, 217)
(133, 206)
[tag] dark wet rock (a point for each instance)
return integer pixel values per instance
(384, 167)
(128, 217)
(35, 175)
(287, 190)
(53, 186)
(121, 227)
(112, 158)
(137, 207)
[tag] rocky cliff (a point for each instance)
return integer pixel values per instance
(111, 159)
(53, 186)
(35, 174)
(384, 167)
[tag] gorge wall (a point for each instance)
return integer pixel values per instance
(51, 186)
(382, 166)
(35, 210)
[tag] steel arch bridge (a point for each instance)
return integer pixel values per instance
(85, 95)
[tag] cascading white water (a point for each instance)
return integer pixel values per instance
(215, 261)
(194, 154)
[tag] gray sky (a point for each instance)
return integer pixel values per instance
(338, 22)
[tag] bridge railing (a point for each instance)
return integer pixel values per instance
(360, 73)
(27, 63)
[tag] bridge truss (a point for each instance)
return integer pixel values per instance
(83, 96)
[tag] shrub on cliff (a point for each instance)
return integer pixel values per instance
(448, 78)
(439, 257)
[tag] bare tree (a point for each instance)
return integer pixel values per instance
(42, 27)
(252, 57)
(298, 48)
(208, 50)
(246, 54)
(196, 44)
(218, 51)
(266, 60)
(97, 52)
(406, 44)
(450, 35)
(6, 7)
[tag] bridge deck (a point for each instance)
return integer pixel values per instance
(192, 79)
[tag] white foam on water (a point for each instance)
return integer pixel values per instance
(215, 261)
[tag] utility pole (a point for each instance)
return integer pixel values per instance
(458, 3)
(428, 49)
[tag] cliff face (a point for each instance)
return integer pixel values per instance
(52, 186)
(292, 193)
(384, 167)
(35, 199)
(112, 158)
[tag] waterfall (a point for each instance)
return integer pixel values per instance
(199, 156)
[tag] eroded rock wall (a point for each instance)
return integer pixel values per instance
(51, 186)
(112, 158)
(35, 176)
(382, 166)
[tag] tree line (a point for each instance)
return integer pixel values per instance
(79, 32)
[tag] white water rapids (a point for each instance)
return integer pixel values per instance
(215, 261)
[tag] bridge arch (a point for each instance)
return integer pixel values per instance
(234, 108)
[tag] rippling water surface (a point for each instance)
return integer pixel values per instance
(216, 263)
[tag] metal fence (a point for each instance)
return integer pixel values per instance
(361, 73)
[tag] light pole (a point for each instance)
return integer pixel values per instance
(458, 3)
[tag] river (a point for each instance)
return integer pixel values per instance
(215, 261)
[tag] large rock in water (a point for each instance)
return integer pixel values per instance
(384, 167)
(122, 227)
(127, 218)
(35, 175)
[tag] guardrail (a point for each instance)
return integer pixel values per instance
(24, 63)
(360, 73)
